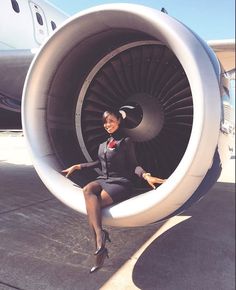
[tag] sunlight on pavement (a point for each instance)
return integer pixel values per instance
(13, 149)
(228, 172)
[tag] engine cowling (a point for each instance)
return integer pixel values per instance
(123, 56)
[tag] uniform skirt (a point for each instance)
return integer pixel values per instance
(119, 189)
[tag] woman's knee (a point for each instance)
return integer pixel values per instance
(91, 189)
(86, 191)
(105, 199)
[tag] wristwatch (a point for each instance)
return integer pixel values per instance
(146, 174)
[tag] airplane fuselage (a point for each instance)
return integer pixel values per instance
(26, 24)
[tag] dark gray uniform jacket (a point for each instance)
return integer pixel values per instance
(118, 162)
(118, 166)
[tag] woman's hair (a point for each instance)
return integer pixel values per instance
(113, 112)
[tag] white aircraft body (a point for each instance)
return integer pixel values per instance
(24, 26)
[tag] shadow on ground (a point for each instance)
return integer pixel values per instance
(198, 253)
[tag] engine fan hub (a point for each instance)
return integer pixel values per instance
(149, 116)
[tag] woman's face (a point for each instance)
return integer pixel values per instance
(111, 123)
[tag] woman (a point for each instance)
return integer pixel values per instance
(117, 159)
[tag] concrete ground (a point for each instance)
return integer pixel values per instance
(46, 245)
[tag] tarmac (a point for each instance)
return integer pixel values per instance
(46, 245)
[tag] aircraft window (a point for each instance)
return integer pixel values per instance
(15, 6)
(39, 18)
(53, 24)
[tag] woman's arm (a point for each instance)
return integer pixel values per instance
(138, 170)
(92, 164)
(130, 153)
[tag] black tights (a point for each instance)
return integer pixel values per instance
(92, 195)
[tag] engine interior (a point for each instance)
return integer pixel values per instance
(121, 70)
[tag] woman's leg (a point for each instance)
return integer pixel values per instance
(95, 198)
(91, 195)
(105, 200)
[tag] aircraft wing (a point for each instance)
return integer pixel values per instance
(14, 65)
(225, 51)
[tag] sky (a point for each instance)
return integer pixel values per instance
(210, 19)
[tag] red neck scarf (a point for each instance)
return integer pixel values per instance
(111, 143)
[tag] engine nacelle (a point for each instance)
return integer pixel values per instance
(125, 55)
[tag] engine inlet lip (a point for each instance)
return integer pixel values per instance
(198, 65)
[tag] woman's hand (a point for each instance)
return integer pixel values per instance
(71, 169)
(154, 180)
(151, 180)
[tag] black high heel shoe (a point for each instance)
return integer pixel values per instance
(100, 258)
(105, 237)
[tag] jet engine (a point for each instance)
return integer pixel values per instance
(166, 79)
